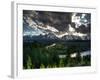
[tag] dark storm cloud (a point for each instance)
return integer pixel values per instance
(59, 20)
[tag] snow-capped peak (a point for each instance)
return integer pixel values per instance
(71, 29)
(79, 34)
(60, 35)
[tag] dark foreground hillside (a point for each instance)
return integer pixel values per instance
(54, 55)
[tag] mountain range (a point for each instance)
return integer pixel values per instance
(34, 28)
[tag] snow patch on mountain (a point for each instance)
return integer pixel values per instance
(61, 34)
(71, 29)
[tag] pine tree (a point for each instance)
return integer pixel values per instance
(29, 63)
(42, 66)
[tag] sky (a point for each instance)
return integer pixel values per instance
(44, 22)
